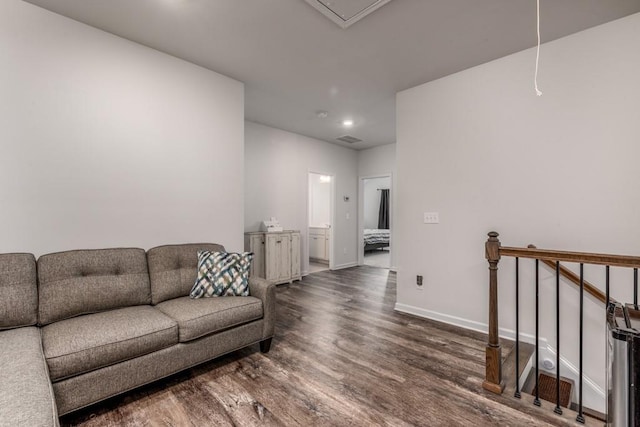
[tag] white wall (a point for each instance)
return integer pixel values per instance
(319, 200)
(277, 164)
(372, 199)
(560, 171)
(375, 162)
(108, 143)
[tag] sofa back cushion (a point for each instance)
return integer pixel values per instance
(18, 291)
(89, 281)
(173, 269)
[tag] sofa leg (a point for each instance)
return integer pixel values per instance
(265, 345)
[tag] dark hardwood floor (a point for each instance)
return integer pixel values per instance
(341, 356)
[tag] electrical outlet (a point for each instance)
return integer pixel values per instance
(431, 218)
(345, 251)
(419, 280)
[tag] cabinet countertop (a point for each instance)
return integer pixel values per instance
(272, 232)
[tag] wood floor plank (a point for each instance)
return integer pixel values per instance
(341, 356)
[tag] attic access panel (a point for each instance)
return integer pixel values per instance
(346, 12)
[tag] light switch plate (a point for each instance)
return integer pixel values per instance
(431, 218)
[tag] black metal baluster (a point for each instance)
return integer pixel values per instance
(517, 393)
(536, 401)
(607, 286)
(580, 417)
(558, 409)
(635, 286)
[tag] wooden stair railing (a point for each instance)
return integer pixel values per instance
(575, 279)
(552, 258)
(566, 256)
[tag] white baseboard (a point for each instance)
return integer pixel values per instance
(440, 317)
(343, 266)
(593, 394)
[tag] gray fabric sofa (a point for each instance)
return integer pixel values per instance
(26, 395)
(96, 323)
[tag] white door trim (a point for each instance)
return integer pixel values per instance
(332, 214)
(361, 180)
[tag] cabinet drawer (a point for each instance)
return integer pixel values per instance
(320, 232)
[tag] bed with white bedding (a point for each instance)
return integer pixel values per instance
(375, 238)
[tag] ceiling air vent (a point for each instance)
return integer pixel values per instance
(349, 139)
(346, 12)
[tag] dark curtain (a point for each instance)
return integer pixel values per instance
(383, 213)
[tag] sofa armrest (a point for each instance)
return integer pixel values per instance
(266, 291)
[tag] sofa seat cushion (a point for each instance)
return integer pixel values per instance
(199, 317)
(85, 343)
(26, 396)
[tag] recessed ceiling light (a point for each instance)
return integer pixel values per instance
(347, 123)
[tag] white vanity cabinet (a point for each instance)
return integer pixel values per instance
(319, 243)
(276, 255)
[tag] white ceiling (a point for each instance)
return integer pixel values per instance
(294, 61)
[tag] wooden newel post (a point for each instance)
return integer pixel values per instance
(493, 379)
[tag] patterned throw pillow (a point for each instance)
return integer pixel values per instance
(222, 274)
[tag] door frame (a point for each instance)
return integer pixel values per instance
(332, 215)
(360, 245)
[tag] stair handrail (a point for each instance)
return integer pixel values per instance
(575, 279)
(569, 256)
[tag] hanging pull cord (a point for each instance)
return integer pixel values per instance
(535, 81)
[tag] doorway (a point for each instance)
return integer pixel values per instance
(375, 221)
(319, 230)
